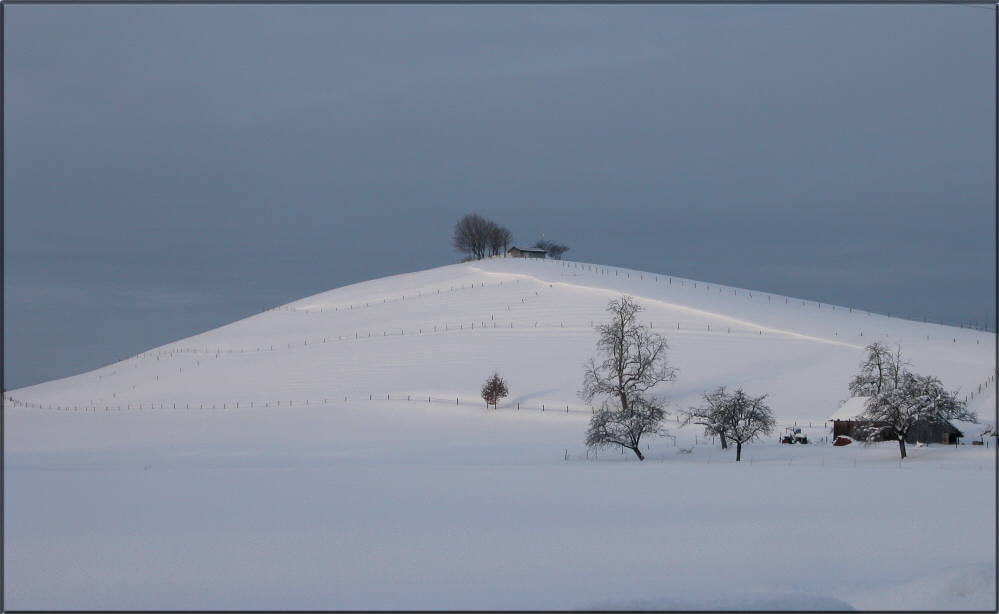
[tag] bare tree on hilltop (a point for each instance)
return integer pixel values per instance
(471, 235)
(499, 239)
(634, 363)
(478, 236)
(555, 250)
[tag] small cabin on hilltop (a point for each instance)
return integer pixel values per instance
(848, 420)
(526, 252)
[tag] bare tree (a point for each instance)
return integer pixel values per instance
(634, 363)
(743, 418)
(910, 399)
(710, 415)
(990, 431)
(471, 235)
(493, 390)
(498, 238)
(879, 371)
(899, 399)
(611, 425)
(555, 250)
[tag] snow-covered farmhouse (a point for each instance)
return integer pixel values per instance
(848, 421)
(526, 252)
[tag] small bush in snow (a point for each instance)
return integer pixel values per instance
(494, 389)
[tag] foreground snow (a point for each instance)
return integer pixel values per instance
(362, 484)
(399, 506)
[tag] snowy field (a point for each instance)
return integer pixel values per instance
(361, 471)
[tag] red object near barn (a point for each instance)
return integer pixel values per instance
(842, 441)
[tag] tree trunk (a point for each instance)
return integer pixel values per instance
(901, 445)
(724, 442)
(637, 452)
(738, 451)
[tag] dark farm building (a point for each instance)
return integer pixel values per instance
(848, 421)
(526, 252)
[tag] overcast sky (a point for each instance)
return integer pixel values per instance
(170, 169)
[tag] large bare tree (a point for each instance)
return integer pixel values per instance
(899, 399)
(634, 363)
(910, 400)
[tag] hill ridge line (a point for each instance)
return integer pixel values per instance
(690, 310)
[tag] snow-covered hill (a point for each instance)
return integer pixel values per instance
(334, 454)
(438, 333)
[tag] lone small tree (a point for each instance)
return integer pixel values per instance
(493, 390)
(634, 363)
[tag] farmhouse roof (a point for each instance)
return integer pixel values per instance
(537, 250)
(850, 409)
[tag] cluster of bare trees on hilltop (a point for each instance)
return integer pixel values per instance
(479, 237)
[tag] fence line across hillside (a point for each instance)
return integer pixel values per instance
(748, 294)
(217, 352)
(659, 279)
(654, 278)
(982, 388)
(455, 400)
(683, 327)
